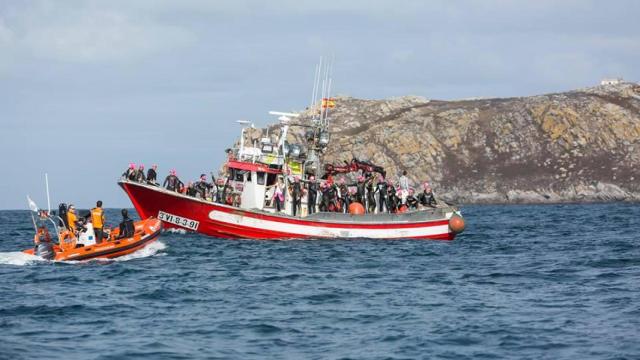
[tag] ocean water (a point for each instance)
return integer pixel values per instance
(523, 282)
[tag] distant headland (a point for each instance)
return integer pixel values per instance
(576, 146)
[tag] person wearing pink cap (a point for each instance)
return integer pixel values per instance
(412, 201)
(426, 197)
(312, 194)
(381, 189)
(140, 174)
(344, 195)
(295, 189)
(171, 182)
(130, 173)
(152, 175)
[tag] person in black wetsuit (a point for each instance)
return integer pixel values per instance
(171, 182)
(412, 201)
(130, 173)
(140, 174)
(191, 189)
(152, 175)
(371, 195)
(202, 187)
(426, 197)
(127, 228)
(296, 195)
(360, 190)
(381, 189)
(312, 194)
(344, 195)
(392, 198)
(325, 199)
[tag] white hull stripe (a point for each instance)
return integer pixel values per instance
(320, 231)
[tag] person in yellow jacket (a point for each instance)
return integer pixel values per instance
(72, 218)
(97, 219)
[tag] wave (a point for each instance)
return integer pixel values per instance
(19, 258)
(150, 250)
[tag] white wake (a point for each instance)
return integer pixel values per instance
(19, 258)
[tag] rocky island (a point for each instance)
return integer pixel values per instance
(576, 146)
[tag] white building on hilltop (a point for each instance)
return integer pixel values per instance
(615, 81)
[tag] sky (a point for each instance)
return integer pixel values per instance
(87, 87)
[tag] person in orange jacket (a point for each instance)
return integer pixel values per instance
(97, 219)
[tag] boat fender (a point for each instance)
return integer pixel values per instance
(456, 224)
(355, 208)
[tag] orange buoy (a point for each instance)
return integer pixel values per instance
(355, 208)
(403, 209)
(456, 224)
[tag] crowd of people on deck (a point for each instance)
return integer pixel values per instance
(377, 194)
(216, 190)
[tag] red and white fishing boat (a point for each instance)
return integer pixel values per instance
(246, 209)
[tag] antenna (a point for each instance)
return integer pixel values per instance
(46, 180)
(314, 93)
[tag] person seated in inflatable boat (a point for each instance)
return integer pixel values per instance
(127, 227)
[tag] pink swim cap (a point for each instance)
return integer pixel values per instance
(132, 166)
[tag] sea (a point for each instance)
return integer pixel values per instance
(522, 282)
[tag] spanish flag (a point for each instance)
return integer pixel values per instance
(328, 103)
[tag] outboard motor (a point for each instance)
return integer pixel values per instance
(62, 212)
(45, 250)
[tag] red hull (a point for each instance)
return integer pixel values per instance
(230, 222)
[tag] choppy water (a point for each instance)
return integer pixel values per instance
(538, 282)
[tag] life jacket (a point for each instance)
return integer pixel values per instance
(42, 236)
(71, 220)
(97, 217)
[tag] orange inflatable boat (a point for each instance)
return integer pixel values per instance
(69, 248)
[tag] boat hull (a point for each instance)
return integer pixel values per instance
(223, 221)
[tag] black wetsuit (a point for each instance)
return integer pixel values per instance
(344, 195)
(171, 182)
(381, 189)
(412, 202)
(140, 176)
(328, 195)
(371, 197)
(130, 174)
(296, 197)
(201, 188)
(311, 197)
(360, 191)
(127, 229)
(427, 199)
(392, 199)
(152, 176)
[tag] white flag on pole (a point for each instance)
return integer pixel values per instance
(32, 205)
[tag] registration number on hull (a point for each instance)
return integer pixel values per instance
(178, 220)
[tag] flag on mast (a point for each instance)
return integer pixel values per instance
(32, 204)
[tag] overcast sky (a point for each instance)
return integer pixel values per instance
(88, 86)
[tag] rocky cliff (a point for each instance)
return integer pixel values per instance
(582, 145)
